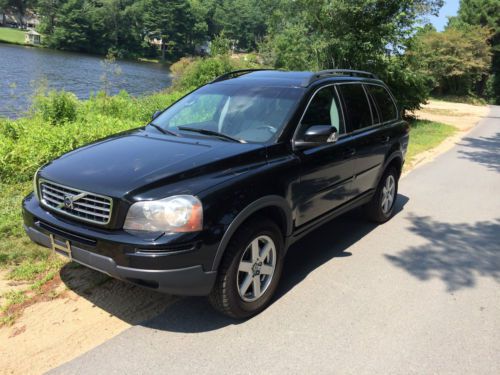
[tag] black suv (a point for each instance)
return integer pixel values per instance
(207, 198)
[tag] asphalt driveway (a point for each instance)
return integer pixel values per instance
(420, 294)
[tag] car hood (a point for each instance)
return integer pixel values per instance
(137, 161)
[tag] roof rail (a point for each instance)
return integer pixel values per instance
(340, 72)
(236, 73)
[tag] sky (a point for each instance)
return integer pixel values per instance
(450, 8)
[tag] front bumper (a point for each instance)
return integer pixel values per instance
(174, 270)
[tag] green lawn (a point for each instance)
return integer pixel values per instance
(9, 35)
(426, 135)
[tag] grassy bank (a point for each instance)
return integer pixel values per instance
(13, 36)
(426, 135)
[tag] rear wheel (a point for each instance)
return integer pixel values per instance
(250, 270)
(381, 207)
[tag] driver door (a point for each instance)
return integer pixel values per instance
(327, 170)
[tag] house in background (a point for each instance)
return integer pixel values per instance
(32, 37)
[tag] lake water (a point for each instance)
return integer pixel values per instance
(24, 69)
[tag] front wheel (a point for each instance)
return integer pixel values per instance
(381, 207)
(250, 270)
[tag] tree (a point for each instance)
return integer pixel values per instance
(18, 5)
(485, 13)
(73, 29)
(361, 34)
(47, 9)
(173, 21)
(242, 21)
(3, 6)
(457, 59)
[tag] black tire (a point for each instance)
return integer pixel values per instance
(374, 210)
(225, 296)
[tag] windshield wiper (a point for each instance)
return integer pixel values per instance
(211, 132)
(164, 131)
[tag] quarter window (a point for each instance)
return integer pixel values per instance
(324, 109)
(385, 104)
(357, 109)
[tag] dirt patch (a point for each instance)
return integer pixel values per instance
(55, 331)
(461, 116)
(7, 285)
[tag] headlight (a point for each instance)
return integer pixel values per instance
(180, 213)
(35, 187)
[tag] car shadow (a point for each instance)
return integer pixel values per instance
(194, 315)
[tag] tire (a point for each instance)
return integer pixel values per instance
(380, 210)
(235, 271)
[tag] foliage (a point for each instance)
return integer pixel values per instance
(341, 34)
(456, 59)
(243, 22)
(56, 107)
(27, 143)
(221, 45)
(361, 34)
(200, 71)
(410, 87)
(485, 13)
(172, 22)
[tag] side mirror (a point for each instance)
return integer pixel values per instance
(317, 135)
(155, 115)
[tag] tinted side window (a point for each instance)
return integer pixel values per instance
(385, 104)
(358, 113)
(324, 109)
(375, 112)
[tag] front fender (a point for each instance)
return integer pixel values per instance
(259, 204)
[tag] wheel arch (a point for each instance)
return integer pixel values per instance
(396, 160)
(272, 206)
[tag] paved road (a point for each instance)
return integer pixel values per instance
(420, 294)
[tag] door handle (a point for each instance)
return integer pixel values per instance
(349, 152)
(385, 139)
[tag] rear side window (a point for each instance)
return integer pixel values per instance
(385, 104)
(357, 109)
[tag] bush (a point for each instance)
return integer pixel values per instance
(200, 71)
(56, 106)
(410, 87)
(27, 143)
(221, 45)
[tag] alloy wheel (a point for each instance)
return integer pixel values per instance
(388, 194)
(256, 268)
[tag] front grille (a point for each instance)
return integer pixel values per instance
(89, 207)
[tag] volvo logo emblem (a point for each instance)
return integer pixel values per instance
(69, 200)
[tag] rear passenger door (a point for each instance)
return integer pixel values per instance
(370, 137)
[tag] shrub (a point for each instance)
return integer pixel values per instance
(27, 143)
(411, 88)
(203, 70)
(56, 106)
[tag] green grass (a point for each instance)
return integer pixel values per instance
(426, 135)
(9, 35)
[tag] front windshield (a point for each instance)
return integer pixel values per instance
(251, 114)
